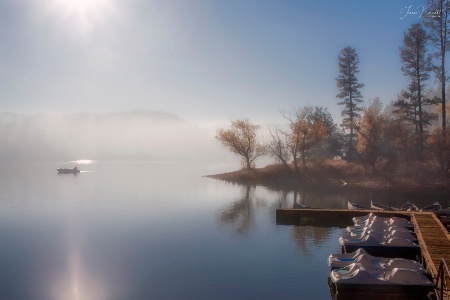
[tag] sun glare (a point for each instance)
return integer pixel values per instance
(83, 161)
(83, 15)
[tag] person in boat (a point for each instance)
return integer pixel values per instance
(75, 168)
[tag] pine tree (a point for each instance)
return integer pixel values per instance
(438, 22)
(417, 66)
(349, 88)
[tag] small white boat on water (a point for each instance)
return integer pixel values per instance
(369, 262)
(74, 170)
(355, 282)
(436, 206)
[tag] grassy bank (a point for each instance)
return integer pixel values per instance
(413, 177)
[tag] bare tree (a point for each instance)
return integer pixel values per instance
(242, 140)
(277, 146)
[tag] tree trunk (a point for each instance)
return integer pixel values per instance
(304, 160)
(443, 91)
(249, 164)
(374, 168)
(295, 161)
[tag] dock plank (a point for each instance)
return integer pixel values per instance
(434, 241)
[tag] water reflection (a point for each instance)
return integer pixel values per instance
(337, 197)
(156, 231)
(308, 238)
(240, 213)
(77, 281)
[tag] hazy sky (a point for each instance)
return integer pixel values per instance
(203, 60)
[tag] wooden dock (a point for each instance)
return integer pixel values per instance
(434, 239)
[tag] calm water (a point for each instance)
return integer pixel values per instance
(156, 231)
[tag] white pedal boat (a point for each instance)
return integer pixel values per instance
(355, 282)
(369, 262)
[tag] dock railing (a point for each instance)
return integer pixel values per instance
(441, 281)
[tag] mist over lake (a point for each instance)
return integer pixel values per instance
(141, 220)
(151, 230)
(130, 135)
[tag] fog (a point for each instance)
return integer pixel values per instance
(131, 135)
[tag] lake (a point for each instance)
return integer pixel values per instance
(157, 230)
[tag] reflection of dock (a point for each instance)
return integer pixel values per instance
(326, 217)
(434, 240)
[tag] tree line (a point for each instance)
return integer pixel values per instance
(412, 127)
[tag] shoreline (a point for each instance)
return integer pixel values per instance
(276, 177)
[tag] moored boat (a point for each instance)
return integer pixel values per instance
(393, 247)
(363, 218)
(375, 205)
(352, 230)
(394, 221)
(351, 205)
(373, 216)
(384, 235)
(408, 206)
(436, 206)
(300, 206)
(384, 222)
(369, 262)
(359, 283)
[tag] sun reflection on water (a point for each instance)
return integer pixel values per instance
(78, 282)
(83, 161)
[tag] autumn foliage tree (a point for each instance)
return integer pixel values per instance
(439, 144)
(242, 140)
(307, 128)
(370, 134)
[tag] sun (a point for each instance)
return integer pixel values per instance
(81, 15)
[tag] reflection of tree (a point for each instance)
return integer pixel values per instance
(306, 237)
(282, 198)
(309, 237)
(299, 203)
(240, 213)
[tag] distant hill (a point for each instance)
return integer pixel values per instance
(129, 135)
